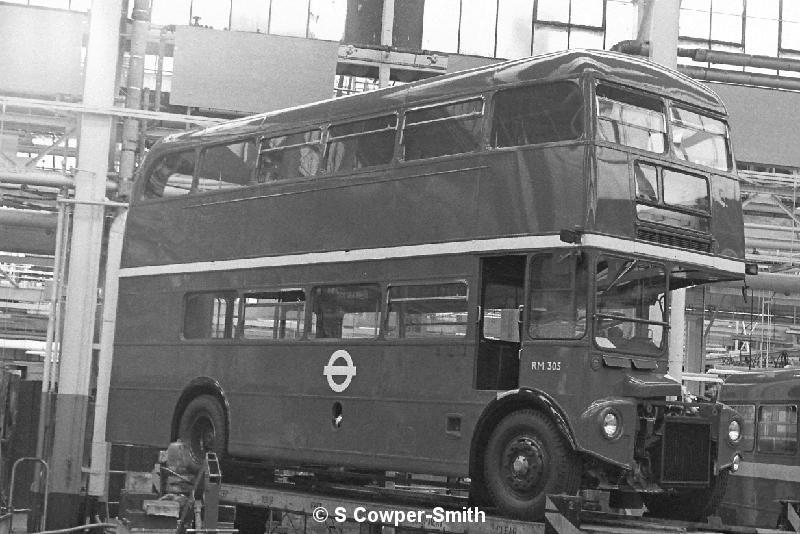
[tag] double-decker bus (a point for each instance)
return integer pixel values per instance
(466, 276)
(770, 470)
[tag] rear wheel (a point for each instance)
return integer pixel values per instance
(526, 459)
(202, 428)
(688, 504)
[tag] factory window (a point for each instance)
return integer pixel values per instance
(630, 119)
(700, 139)
(172, 175)
(444, 129)
(359, 144)
(210, 315)
(748, 413)
(432, 310)
(537, 114)
(274, 314)
(777, 429)
(290, 156)
(225, 166)
(345, 312)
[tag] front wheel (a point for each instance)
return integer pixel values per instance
(689, 504)
(202, 428)
(527, 459)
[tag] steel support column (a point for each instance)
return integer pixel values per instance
(81, 297)
(658, 26)
(387, 28)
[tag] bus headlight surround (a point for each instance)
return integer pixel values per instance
(734, 431)
(610, 424)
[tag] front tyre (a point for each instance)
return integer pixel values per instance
(526, 459)
(202, 428)
(688, 504)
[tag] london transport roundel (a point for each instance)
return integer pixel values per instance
(335, 372)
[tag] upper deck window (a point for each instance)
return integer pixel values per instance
(360, 144)
(226, 166)
(700, 139)
(630, 119)
(172, 175)
(537, 114)
(290, 156)
(443, 130)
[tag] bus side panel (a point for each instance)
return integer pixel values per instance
(393, 415)
(751, 500)
(437, 202)
(547, 194)
(726, 220)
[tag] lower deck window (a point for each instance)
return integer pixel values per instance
(274, 315)
(345, 312)
(422, 311)
(777, 429)
(210, 315)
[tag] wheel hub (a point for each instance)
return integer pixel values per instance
(524, 464)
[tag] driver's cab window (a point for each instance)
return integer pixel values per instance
(558, 296)
(629, 305)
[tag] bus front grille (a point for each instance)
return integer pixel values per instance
(686, 453)
(680, 241)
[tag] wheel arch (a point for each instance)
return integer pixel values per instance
(506, 403)
(200, 386)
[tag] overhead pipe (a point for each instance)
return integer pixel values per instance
(740, 78)
(704, 55)
(130, 125)
(785, 284)
(50, 337)
(640, 48)
(43, 179)
(40, 178)
(29, 218)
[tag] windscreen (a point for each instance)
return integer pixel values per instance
(629, 305)
(700, 139)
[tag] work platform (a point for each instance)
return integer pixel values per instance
(301, 512)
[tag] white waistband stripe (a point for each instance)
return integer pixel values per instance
(437, 249)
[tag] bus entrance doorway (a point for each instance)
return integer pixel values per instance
(500, 322)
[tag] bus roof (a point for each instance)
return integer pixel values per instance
(570, 64)
(777, 385)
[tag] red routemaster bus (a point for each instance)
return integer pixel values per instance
(466, 276)
(770, 470)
